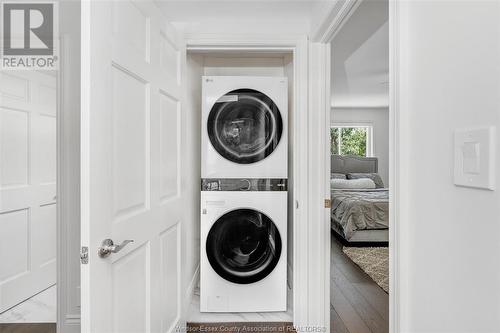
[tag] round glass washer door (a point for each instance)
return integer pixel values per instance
(244, 126)
(243, 246)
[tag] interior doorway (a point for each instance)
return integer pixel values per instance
(359, 133)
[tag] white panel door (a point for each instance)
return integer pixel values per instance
(27, 185)
(131, 167)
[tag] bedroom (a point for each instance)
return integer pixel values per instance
(359, 174)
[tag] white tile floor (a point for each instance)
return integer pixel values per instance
(40, 308)
(195, 316)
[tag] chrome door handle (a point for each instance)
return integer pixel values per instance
(108, 247)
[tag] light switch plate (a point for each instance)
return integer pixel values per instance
(475, 158)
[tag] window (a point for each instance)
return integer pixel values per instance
(351, 139)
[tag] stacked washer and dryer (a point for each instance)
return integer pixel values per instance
(244, 194)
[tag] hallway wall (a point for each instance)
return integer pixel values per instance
(450, 78)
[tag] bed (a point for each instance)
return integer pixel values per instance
(359, 217)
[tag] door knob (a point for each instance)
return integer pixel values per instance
(108, 247)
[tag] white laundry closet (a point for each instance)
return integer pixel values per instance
(201, 63)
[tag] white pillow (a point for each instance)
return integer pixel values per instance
(360, 183)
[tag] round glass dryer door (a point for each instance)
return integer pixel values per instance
(243, 246)
(244, 126)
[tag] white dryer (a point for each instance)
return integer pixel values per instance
(244, 127)
(243, 245)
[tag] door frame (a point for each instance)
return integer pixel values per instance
(67, 314)
(61, 228)
(326, 32)
(66, 319)
(298, 45)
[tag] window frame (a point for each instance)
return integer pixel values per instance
(369, 134)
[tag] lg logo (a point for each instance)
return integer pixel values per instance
(28, 28)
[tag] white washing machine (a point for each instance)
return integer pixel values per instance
(244, 127)
(243, 245)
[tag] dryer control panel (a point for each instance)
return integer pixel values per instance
(244, 184)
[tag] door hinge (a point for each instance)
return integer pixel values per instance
(328, 203)
(84, 255)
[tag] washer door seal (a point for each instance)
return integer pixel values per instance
(243, 246)
(244, 126)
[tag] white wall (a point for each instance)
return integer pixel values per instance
(243, 65)
(450, 78)
(379, 118)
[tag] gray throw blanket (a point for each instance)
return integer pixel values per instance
(360, 209)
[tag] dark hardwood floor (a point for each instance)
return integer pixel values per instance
(28, 328)
(358, 304)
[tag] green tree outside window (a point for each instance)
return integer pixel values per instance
(348, 140)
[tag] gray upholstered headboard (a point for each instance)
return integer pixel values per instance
(353, 164)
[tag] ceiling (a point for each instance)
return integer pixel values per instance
(360, 50)
(235, 9)
(360, 64)
(242, 15)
